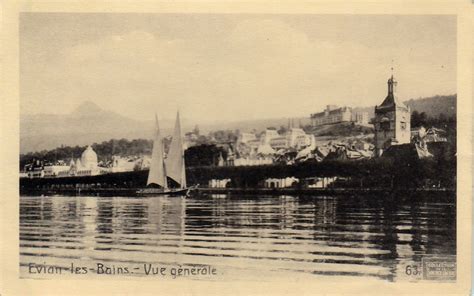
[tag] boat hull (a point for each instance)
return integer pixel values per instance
(160, 191)
(170, 191)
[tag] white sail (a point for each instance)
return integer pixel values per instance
(157, 173)
(175, 167)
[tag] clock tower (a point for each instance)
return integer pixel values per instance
(392, 121)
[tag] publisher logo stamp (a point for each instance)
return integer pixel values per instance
(439, 268)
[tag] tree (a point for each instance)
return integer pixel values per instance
(418, 119)
(442, 118)
(203, 155)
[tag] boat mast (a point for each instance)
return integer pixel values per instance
(157, 173)
(175, 165)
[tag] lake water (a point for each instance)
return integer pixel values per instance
(232, 238)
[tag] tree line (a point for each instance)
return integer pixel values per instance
(422, 119)
(200, 155)
(104, 150)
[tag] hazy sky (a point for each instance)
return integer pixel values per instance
(241, 66)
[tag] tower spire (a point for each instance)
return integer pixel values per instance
(392, 68)
(392, 83)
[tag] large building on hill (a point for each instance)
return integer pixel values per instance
(334, 114)
(392, 121)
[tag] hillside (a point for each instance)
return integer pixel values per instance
(432, 106)
(89, 123)
(257, 124)
(343, 129)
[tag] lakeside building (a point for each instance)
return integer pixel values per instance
(294, 138)
(121, 164)
(392, 121)
(267, 136)
(35, 169)
(265, 148)
(52, 171)
(246, 137)
(280, 182)
(253, 161)
(299, 139)
(253, 146)
(87, 165)
(70, 171)
(219, 183)
(278, 143)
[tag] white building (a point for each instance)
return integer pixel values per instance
(120, 164)
(293, 135)
(294, 138)
(267, 136)
(219, 183)
(35, 169)
(52, 171)
(246, 137)
(253, 161)
(320, 182)
(87, 165)
(332, 114)
(361, 118)
(36, 173)
(280, 142)
(253, 146)
(280, 182)
(265, 149)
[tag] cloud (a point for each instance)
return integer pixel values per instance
(261, 68)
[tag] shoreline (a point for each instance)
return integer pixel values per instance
(240, 191)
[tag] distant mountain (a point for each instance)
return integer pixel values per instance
(432, 106)
(87, 124)
(89, 108)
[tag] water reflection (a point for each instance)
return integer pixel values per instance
(242, 237)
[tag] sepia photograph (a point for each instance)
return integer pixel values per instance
(239, 147)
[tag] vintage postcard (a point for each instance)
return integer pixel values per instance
(236, 148)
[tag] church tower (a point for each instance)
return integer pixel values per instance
(392, 121)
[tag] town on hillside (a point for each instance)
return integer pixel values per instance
(335, 133)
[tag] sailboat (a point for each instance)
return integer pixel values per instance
(173, 167)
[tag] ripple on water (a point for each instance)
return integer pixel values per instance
(242, 238)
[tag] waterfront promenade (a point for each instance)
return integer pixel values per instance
(380, 175)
